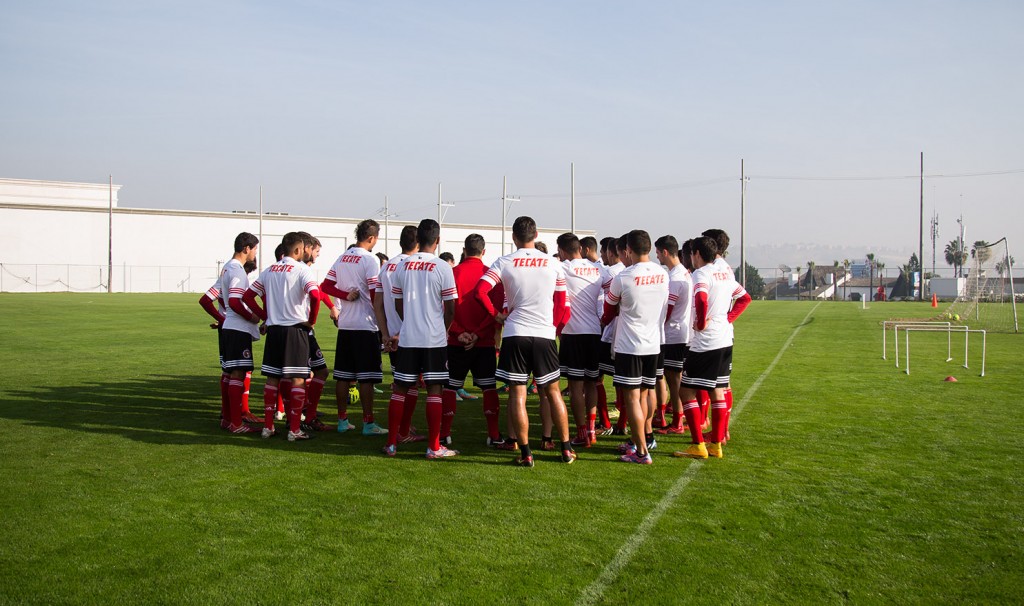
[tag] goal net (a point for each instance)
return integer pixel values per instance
(987, 298)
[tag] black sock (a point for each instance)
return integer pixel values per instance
(546, 439)
(566, 446)
(650, 437)
(524, 448)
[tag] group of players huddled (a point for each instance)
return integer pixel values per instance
(661, 328)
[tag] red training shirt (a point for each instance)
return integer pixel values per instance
(470, 315)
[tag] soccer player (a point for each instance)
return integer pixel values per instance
(714, 291)
(425, 295)
(722, 266)
(353, 279)
(239, 330)
(613, 265)
(677, 325)
(291, 304)
(448, 258)
(580, 347)
(639, 297)
(589, 250)
(471, 339)
(403, 402)
(317, 363)
(535, 291)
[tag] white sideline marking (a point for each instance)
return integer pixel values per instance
(593, 592)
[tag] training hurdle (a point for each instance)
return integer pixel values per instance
(964, 329)
(897, 324)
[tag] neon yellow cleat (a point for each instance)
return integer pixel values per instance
(715, 449)
(694, 451)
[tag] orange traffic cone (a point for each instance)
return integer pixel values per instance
(935, 300)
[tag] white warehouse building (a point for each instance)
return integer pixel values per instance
(57, 236)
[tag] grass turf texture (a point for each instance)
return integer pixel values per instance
(845, 480)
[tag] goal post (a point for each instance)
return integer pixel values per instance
(988, 298)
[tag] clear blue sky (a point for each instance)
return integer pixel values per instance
(333, 105)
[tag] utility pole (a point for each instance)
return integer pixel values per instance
(387, 220)
(506, 203)
(110, 237)
(572, 197)
(963, 246)
(743, 224)
(259, 249)
(920, 236)
(442, 207)
(935, 236)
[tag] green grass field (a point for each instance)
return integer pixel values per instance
(845, 481)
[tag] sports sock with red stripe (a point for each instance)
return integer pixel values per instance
(396, 406)
(448, 405)
(408, 408)
(491, 408)
(314, 389)
(434, 421)
(719, 412)
(270, 397)
(692, 412)
(235, 389)
(245, 394)
(296, 401)
(602, 405)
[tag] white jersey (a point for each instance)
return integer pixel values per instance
(607, 336)
(387, 271)
(722, 267)
(356, 269)
(285, 288)
(583, 283)
(213, 294)
(233, 284)
(531, 279)
(679, 324)
(423, 282)
(641, 292)
(721, 289)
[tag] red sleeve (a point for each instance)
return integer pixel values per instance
(207, 304)
(668, 314)
(249, 298)
(700, 310)
(738, 307)
(480, 292)
(326, 298)
(610, 311)
(314, 306)
(236, 306)
(561, 311)
(373, 295)
(331, 288)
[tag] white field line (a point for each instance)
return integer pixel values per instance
(593, 592)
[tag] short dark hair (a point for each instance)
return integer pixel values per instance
(366, 229)
(684, 255)
(524, 229)
(408, 238)
(307, 238)
(316, 242)
(447, 256)
(609, 245)
(382, 258)
(427, 232)
(620, 243)
(668, 244)
(568, 242)
(705, 246)
(474, 245)
(588, 243)
(291, 239)
(542, 247)
(639, 241)
(245, 239)
(720, 237)
(280, 251)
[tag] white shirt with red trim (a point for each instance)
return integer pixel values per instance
(423, 282)
(608, 334)
(387, 271)
(285, 288)
(679, 325)
(356, 269)
(641, 292)
(531, 279)
(721, 266)
(584, 281)
(721, 289)
(233, 284)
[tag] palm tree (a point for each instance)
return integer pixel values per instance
(955, 255)
(880, 266)
(871, 276)
(981, 252)
(1003, 267)
(810, 279)
(835, 276)
(846, 276)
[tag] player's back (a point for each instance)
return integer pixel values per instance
(285, 287)
(387, 272)
(679, 324)
(423, 282)
(356, 269)
(583, 283)
(642, 293)
(609, 274)
(530, 278)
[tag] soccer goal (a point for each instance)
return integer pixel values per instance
(988, 299)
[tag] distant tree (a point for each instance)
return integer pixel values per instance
(914, 264)
(955, 255)
(1003, 267)
(871, 276)
(981, 252)
(755, 283)
(846, 275)
(880, 266)
(835, 277)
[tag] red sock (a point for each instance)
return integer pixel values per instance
(719, 412)
(602, 406)
(225, 400)
(619, 404)
(692, 411)
(367, 414)
(659, 415)
(705, 403)
(677, 418)
(407, 409)
(314, 389)
(296, 400)
(284, 392)
(270, 397)
(448, 404)
(245, 395)
(728, 412)
(591, 421)
(235, 389)
(434, 413)
(396, 407)
(491, 408)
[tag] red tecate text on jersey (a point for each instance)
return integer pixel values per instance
(530, 262)
(419, 266)
(586, 271)
(648, 280)
(350, 258)
(281, 268)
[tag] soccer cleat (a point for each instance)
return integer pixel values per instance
(508, 444)
(495, 443)
(522, 461)
(617, 432)
(627, 447)
(568, 457)
(412, 437)
(251, 418)
(377, 389)
(344, 425)
(458, 397)
(547, 445)
(671, 430)
(314, 425)
(372, 429)
(532, 390)
(267, 433)
(708, 437)
(658, 423)
(653, 444)
(694, 451)
(608, 431)
(635, 457)
(279, 416)
(580, 443)
(224, 424)
(389, 450)
(592, 437)
(441, 453)
(243, 428)
(715, 450)
(465, 395)
(298, 435)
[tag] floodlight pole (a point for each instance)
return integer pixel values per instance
(743, 224)
(259, 249)
(387, 218)
(920, 237)
(572, 197)
(505, 204)
(110, 235)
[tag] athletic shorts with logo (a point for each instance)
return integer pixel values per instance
(412, 362)
(316, 356)
(521, 356)
(634, 372)
(707, 369)
(580, 357)
(286, 354)
(480, 361)
(236, 350)
(357, 356)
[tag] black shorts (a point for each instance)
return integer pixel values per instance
(674, 354)
(634, 372)
(357, 356)
(286, 354)
(411, 362)
(479, 360)
(220, 346)
(316, 357)
(579, 357)
(521, 356)
(605, 363)
(659, 365)
(236, 350)
(704, 369)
